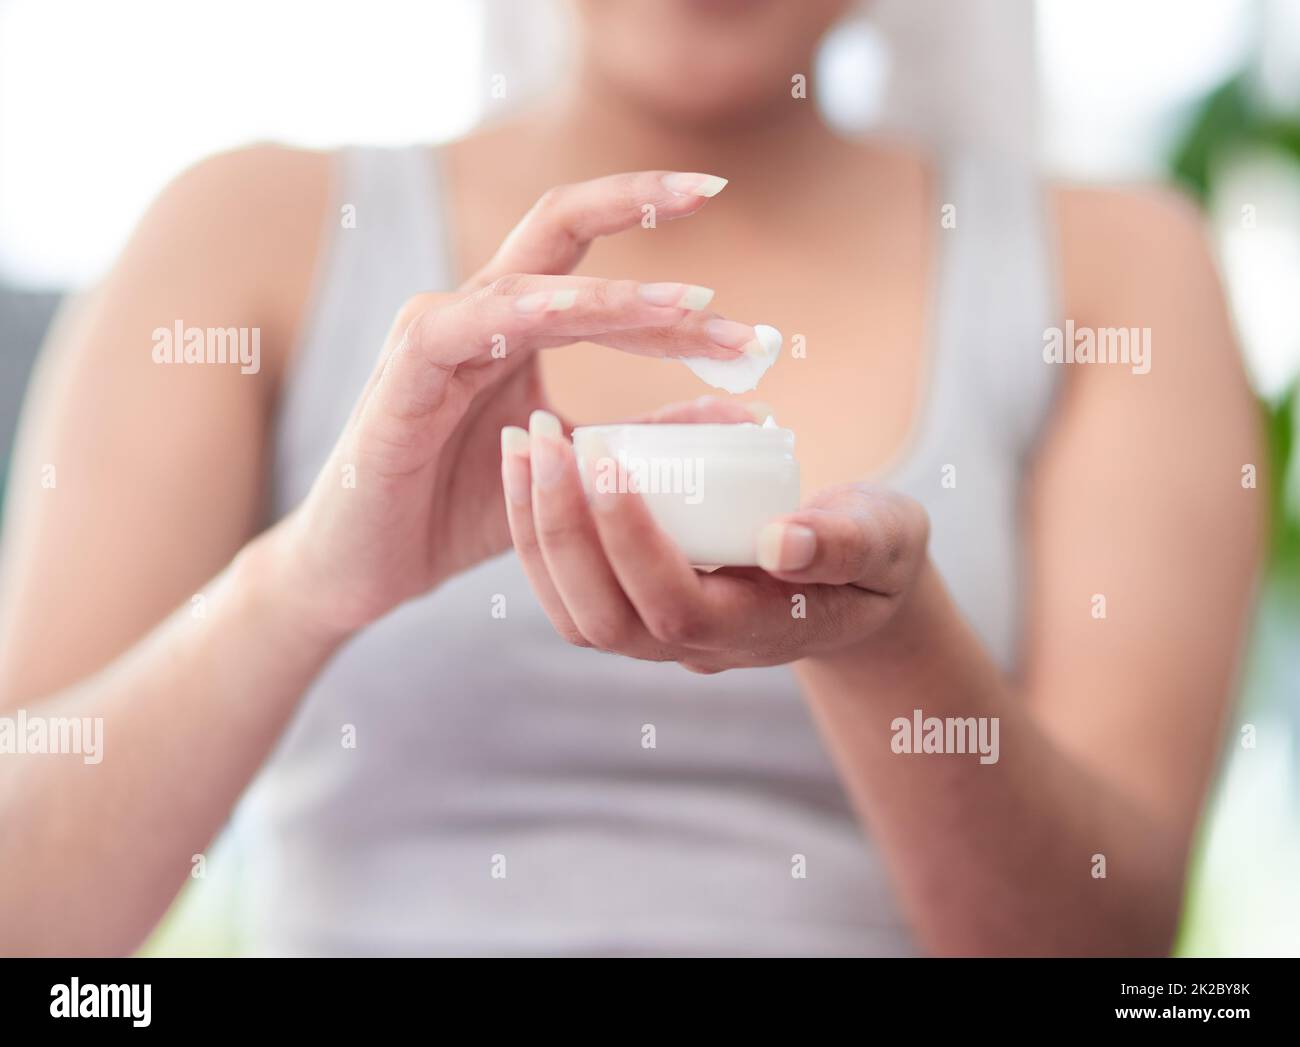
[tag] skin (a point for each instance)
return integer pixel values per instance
(1109, 730)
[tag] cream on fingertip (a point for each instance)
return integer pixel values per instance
(740, 374)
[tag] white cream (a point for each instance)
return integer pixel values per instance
(711, 487)
(743, 373)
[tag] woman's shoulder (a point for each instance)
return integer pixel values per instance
(247, 225)
(1148, 217)
(1122, 244)
(246, 194)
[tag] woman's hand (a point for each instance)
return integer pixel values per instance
(835, 572)
(409, 495)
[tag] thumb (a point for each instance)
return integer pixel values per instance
(858, 534)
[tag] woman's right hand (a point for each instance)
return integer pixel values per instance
(411, 494)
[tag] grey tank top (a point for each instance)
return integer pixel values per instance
(496, 796)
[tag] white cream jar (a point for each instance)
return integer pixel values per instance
(710, 486)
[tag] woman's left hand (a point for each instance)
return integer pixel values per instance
(834, 573)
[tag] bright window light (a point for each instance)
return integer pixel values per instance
(101, 104)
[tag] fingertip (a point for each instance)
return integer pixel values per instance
(693, 184)
(676, 295)
(543, 423)
(728, 339)
(514, 440)
(515, 464)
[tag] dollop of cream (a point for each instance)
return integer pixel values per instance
(742, 374)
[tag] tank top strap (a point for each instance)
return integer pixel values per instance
(385, 239)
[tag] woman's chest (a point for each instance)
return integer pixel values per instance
(855, 322)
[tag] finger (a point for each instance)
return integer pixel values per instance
(554, 235)
(678, 324)
(650, 569)
(724, 338)
(865, 536)
(411, 308)
(571, 549)
(505, 322)
(529, 311)
(516, 480)
(726, 618)
(736, 616)
(746, 611)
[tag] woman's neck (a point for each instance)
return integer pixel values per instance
(595, 128)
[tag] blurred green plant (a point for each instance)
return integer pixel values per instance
(1231, 120)
(1280, 419)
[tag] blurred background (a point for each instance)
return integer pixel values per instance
(102, 103)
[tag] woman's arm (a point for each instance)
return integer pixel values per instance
(157, 470)
(1108, 741)
(134, 485)
(93, 852)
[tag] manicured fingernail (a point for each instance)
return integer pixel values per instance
(543, 423)
(682, 296)
(546, 301)
(514, 440)
(693, 184)
(514, 463)
(546, 443)
(728, 333)
(759, 411)
(786, 547)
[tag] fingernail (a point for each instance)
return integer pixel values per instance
(786, 547)
(514, 463)
(759, 411)
(693, 184)
(543, 423)
(682, 296)
(514, 440)
(728, 333)
(545, 301)
(546, 443)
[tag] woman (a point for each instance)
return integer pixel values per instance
(298, 571)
